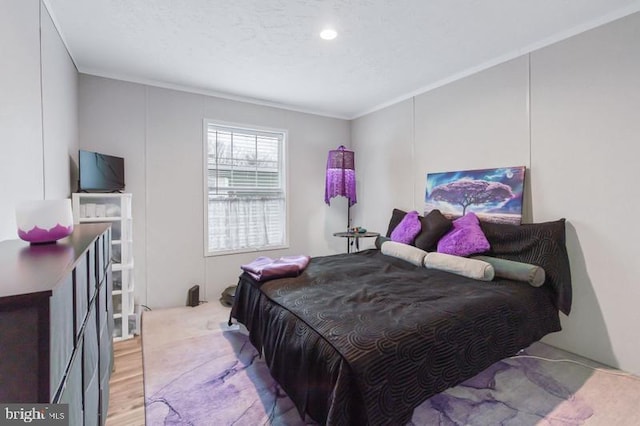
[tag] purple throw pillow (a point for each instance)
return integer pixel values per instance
(407, 229)
(465, 238)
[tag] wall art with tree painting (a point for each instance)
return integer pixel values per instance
(494, 195)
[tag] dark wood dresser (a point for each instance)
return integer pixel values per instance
(56, 323)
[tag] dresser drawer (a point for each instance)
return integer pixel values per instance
(19, 362)
(93, 261)
(62, 335)
(81, 286)
(91, 350)
(72, 392)
(92, 400)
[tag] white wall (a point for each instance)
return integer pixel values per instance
(569, 113)
(21, 154)
(384, 165)
(59, 113)
(479, 122)
(159, 132)
(113, 122)
(585, 103)
(38, 111)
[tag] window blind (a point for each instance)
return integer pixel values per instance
(246, 198)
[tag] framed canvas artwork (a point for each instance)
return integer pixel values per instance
(494, 195)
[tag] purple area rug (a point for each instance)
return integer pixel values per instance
(197, 371)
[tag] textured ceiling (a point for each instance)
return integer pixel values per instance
(269, 50)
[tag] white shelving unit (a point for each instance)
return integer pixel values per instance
(116, 209)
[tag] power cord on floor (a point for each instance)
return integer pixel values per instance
(613, 373)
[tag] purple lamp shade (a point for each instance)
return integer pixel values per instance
(341, 175)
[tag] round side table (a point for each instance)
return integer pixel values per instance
(355, 236)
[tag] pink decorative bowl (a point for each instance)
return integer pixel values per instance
(44, 221)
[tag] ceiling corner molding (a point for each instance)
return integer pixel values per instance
(563, 35)
(52, 15)
(208, 92)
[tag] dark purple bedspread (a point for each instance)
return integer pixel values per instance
(365, 338)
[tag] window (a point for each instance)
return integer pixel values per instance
(245, 189)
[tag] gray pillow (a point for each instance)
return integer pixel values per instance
(517, 271)
(472, 268)
(404, 251)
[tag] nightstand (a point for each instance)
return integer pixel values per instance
(355, 236)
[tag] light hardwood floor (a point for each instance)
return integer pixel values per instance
(126, 389)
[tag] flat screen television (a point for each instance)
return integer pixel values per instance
(100, 172)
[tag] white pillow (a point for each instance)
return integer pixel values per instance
(472, 268)
(403, 251)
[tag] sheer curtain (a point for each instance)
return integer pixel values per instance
(248, 221)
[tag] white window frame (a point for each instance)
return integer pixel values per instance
(284, 178)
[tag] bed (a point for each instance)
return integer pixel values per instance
(364, 338)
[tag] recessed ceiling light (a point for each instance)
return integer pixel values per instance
(328, 34)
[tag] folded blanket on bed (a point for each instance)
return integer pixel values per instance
(265, 268)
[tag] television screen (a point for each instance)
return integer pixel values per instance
(100, 172)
